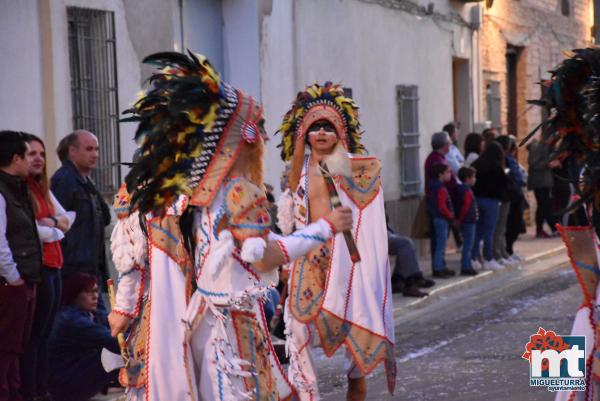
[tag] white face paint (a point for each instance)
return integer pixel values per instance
(321, 132)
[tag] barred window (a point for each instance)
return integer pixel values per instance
(407, 98)
(493, 101)
(93, 64)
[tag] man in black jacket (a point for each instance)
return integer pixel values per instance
(20, 260)
(83, 245)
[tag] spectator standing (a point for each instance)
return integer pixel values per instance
(541, 181)
(467, 217)
(501, 255)
(78, 336)
(515, 223)
(74, 189)
(454, 158)
(442, 213)
(473, 147)
(440, 144)
(489, 189)
(52, 222)
(489, 134)
(20, 260)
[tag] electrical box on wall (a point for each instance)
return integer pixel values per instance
(476, 16)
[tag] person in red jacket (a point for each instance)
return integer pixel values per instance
(52, 222)
(467, 216)
(441, 211)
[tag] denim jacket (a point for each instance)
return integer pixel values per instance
(83, 245)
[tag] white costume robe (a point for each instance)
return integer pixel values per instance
(212, 344)
(333, 301)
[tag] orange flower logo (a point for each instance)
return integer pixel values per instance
(542, 341)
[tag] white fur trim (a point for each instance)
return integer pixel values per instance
(338, 162)
(120, 246)
(285, 212)
(128, 244)
(253, 249)
(219, 253)
(140, 243)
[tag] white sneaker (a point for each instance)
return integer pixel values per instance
(516, 258)
(492, 265)
(506, 262)
(475, 264)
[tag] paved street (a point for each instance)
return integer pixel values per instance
(468, 345)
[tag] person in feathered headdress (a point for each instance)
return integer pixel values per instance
(192, 245)
(339, 293)
(572, 132)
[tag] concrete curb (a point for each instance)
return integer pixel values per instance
(453, 285)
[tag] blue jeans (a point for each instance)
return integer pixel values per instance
(468, 241)
(440, 232)
(271, 303)
(489, 209)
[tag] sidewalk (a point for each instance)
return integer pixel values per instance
(550, 251)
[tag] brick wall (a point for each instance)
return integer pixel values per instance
(543, 33)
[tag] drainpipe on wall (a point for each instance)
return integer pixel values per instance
(46, 50)
(181, 32)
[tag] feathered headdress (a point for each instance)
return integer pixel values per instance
(315, 103)
(191, 127)
(572, 101)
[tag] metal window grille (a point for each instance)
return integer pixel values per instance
(493, 101)
(407, 97)
(347, 92)
(92, 59)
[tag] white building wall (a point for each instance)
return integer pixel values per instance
(203, 29)
(278, 78)
(20, 67)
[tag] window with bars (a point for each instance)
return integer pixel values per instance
(407, 97)
(93, 64)
(494, 103)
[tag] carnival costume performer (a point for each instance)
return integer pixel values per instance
(334, 299)
(193, 246)
(572, 100)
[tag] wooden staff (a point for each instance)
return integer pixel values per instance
(335, 201)
(120, 337)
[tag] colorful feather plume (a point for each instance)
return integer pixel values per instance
(180, 119)
(571, 98)
(330, 95)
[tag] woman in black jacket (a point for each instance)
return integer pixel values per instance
(489, 190)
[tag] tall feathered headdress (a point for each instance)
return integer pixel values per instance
(191, 127)
(315, 103)
(572, 128)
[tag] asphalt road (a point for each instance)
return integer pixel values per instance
(468, 346)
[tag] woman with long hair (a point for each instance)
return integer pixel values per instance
(473, 147)
(52, 222)
(489, 190)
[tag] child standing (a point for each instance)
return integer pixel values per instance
(467, 218)
(442, 213)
